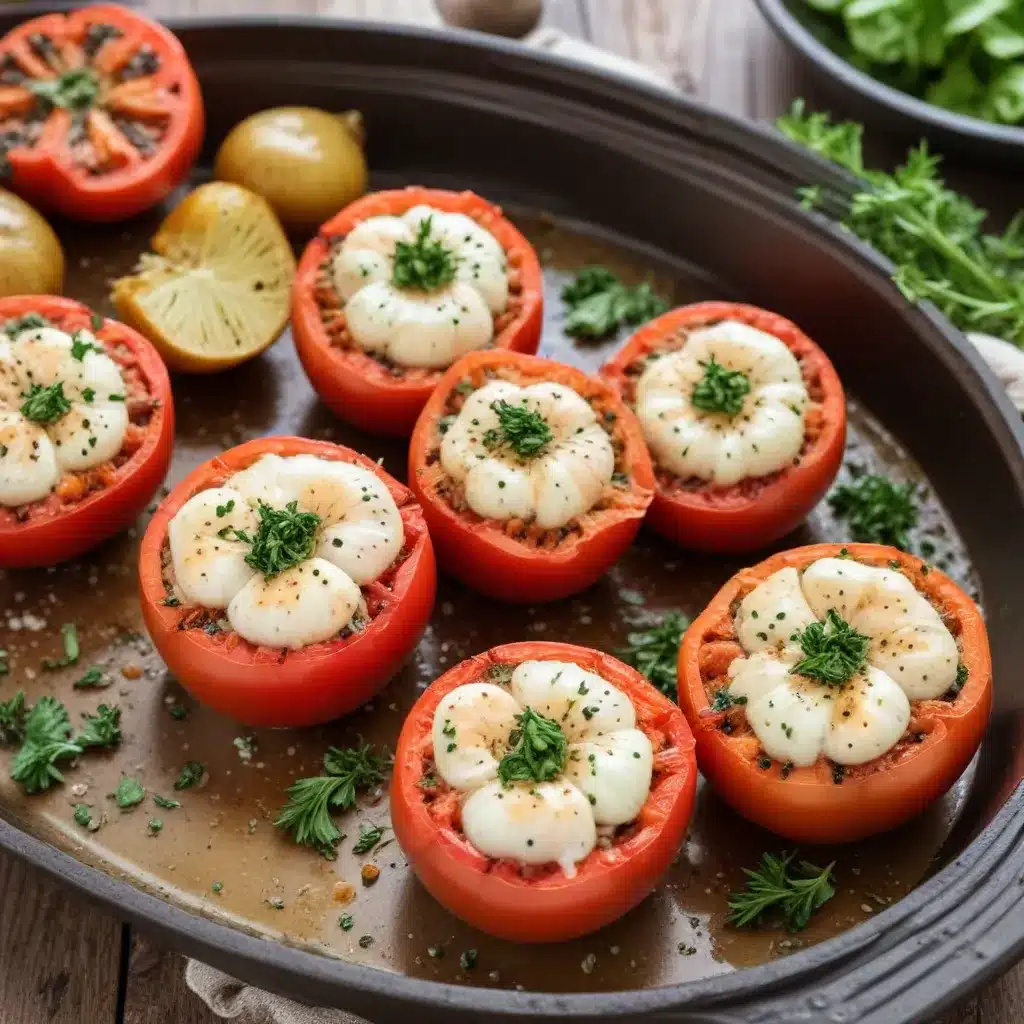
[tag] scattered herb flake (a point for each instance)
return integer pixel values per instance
(130, 793)
(191, 775)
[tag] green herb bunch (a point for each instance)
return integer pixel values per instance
(932, 235)
(720, 390)
(424, 264)
(833, 650)
(311, 802)
(520, 429)
(599, 304)
(538, 750)
(654, 652)
(964, 55)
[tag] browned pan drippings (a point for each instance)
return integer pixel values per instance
(220, 853)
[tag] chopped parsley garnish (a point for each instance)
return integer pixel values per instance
(46, 404)
(877, 510)
(94, 679)
(95, 322)
(284, 538)
(794, 893)
(538, 750)
(130, 793)
(424, 264)
(155, 825)
(369, 837)
(73, 90)
(69, 634)
(307, 814)
(102, 729)
(162, 801)
(178, 711)
(720, 390)
(80, 346)
(83, 815)
(833, 650)
(346, 922)
(191, 775)
(217, 887)
(46, 740)
(654, 652)
(522, 430)
(725, 700)
(170, 601)
(88, 394)
(28, 322)
(962, 673)
(599, 304)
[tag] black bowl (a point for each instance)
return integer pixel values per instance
(873, 102)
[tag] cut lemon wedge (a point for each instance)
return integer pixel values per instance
(215, 290)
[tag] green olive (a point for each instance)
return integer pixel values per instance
(31, 259)
(306, 163)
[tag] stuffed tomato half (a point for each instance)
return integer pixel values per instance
(745, 419)
(835, 692)
(534, 477)
(86, 429)
(285, 581)
(541, 790)
(100, 112)
(397, 287)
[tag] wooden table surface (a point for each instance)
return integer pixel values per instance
(62, 961)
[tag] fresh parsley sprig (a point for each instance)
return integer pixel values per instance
(12, 718)
(45, 404)
(794, 892)
(932, 235)
(833, 650)
(311, 802)
(654, 652)
(522, 430)
(103, 729)
(424, 264)
(283, 538)
(720, 389)
(599, 304)
(538, 752)
(46, 741)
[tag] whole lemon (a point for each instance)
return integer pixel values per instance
(306, 163)
(31, 258)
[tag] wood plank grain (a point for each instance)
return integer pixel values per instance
(156, 992)
(59, 956)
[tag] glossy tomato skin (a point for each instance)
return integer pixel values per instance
(77, 528)
(46, 175)
(493, 897)
(263, 686)
(478, 551)
(354, 386)
(807, 806)
(730, 521)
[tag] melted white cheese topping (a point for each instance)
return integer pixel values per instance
(608, 768)
(34, 456)
(563, 482)
(765, 436)
(360, 535)
(416, 328)
(912, 656)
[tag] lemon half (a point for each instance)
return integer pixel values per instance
(215, 291)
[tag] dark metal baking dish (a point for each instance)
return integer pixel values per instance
(874, 102)
(684, 188)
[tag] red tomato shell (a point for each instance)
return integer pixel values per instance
(494, 896)
(48, 174)
(479, 551)
(354, 385)
(58, 533)
(807, 806)
(738, 519)
(264, 686)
